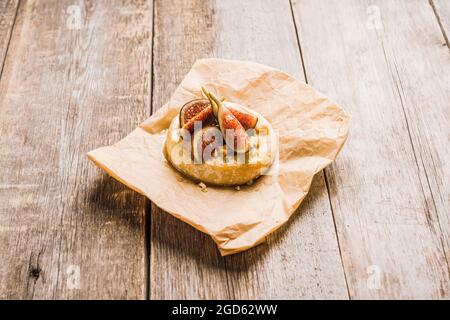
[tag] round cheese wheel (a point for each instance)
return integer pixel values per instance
(223, 167)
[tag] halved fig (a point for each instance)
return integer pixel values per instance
(235, 136)
(205, 117)
(204, 143)
(247, 119)
(191, 109)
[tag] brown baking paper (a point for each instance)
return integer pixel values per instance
(311, 129)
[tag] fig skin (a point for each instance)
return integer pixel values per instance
(192, 108)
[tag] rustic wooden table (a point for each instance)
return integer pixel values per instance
(76, 75)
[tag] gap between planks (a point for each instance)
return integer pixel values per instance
(416, 154)
(8, 41)
(240, 273)
(36, 270)
(396, 78)
(305, 73)
(148, 203)
(441, 26)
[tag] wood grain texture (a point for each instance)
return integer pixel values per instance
(8, 9)
(184, 263)
(389, 189)
(66, 89)
(300, 261)
(68, 86)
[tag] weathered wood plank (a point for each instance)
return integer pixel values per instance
(389, 189)
(184, 263)
(8, 9)
(69, 86)
(300, 261)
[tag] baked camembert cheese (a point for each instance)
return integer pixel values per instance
(219, 142)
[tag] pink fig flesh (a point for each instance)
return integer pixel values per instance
(247, 120)
(191, 109)
(233, 131)
(205, 116)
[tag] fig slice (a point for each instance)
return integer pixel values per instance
(209, 138)
(235, 136)
(205, 116)
(247, 119)
(190, 109)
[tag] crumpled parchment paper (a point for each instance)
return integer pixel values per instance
(311, 128)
